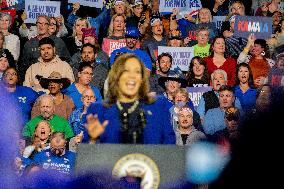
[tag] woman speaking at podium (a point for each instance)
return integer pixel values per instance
(129, 115)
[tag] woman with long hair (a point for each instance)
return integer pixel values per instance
(244, 89)
(12, 42)
(75, 41)
(219, 60)
(129, 115)
(255, 54)
(197, 74)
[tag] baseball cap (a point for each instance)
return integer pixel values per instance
(232, 113)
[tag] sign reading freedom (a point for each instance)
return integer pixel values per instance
(260, 26)
(181, 56)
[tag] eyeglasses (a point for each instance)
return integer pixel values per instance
(87, 73)
(11, 74)
(89, 97)
(52, 24)
(42, 23)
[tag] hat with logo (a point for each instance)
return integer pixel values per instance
(137, 2)
(132, 32)
(56, 78)
(87, 32)
(116, 2)
(232, 113)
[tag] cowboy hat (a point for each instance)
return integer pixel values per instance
(173, 75)
(56, 78)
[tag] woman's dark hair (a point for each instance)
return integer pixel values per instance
(190, 74)
(83, 65)
(212, 44)
(263, 45)
(250, 79)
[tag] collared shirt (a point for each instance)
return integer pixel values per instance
(201, 106)
(247, 98)
(75, 121)
(214, 121)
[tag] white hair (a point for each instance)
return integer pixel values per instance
(219, 71)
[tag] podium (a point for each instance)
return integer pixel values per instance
(157, 165)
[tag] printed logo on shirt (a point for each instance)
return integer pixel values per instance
(22, 99)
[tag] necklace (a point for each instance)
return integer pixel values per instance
(131, 109)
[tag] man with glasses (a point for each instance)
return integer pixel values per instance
(100, 72)
(31, 52)
(57, 159)
(48, 62)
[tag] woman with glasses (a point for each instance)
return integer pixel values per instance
(24, 96)
(84, 77)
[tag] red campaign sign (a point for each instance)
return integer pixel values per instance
(12, 12)
(109, 45)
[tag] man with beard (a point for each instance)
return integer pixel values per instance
(47, 110)
(48, 62)
(214, 118)
(164, 64)
(132, 38)
(56, 159)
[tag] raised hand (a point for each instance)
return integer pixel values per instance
(94, 126)
(78, 138)
(76, 7)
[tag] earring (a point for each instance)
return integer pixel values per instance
(263, 53)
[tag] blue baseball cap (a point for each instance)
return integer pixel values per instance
(132, 32)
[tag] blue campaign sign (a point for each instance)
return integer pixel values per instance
(195, 93)
(185, 6)
(218, 20)
(260, 26)
(88, 3)
(34, 9)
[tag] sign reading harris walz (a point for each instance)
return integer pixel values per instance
(260, 26)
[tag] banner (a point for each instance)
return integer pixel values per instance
(181, 56)
(12, 4)
(195, 93)
(218, 20)
(12, 13)
(35, 8)
(260, 26)
(109, 45)
(184, 6)
(88, 3)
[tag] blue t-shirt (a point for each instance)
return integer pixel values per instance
(25, 98)
(247, 99)
(145, 58)
(73, 92)
(59, 164)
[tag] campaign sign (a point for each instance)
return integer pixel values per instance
(184, 6)
(109, 45)
(88, 3)
(195, 93)
(181, 56)
(11, 4)
(260, 26)
(218, 20)
(11, 12)
(36, 8)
